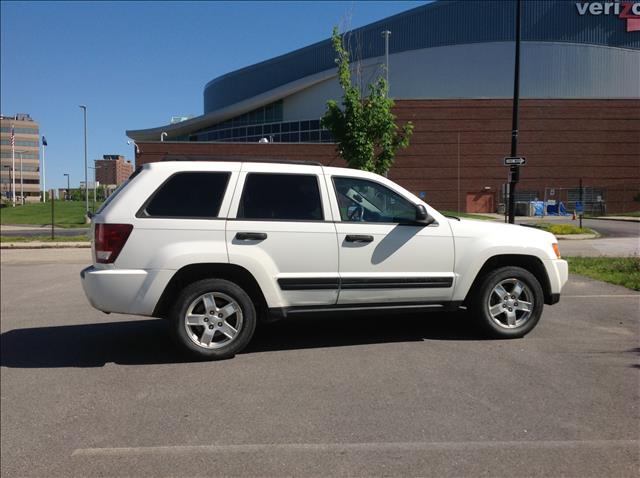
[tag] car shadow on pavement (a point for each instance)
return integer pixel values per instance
(143, 342)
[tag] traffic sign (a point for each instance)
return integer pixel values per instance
(518, 161)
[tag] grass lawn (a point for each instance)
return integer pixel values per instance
(624, 271)
(82, 238)
(66, 214)
(563, 229)
(468, 216)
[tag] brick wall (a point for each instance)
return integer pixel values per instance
(563, 140)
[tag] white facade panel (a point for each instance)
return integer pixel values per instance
(485, 70)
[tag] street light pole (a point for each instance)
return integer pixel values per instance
(95, 184)
(386, 34)
(68, 187)
(21, 176)
(9, 183)
(44, 177)
(86, 190)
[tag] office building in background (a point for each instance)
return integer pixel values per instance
(26, 138)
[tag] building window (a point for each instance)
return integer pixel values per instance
(265, 122)
(34, 144)
(7, 129)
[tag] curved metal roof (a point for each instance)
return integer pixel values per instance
(446, 22)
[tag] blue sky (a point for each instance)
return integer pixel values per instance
(136, 64)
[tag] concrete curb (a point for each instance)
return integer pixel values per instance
(45, 245)
(576, 237)
(616, 218)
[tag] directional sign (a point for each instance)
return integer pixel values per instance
(519, 161)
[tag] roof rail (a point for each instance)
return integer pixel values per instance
(239, 159)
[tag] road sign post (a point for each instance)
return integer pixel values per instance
(515, 169)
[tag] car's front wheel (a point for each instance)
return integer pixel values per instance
(508, 303)
(214, 318)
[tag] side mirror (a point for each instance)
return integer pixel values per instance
(422, 216)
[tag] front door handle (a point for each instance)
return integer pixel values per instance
(251, 236)
(358, 238)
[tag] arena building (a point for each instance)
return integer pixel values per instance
(451, 67)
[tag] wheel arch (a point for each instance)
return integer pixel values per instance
(195, 272)
(530, 263)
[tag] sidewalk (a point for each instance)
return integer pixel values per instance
(500, 217)
(44, 245)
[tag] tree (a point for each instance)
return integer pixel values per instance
(365, 129)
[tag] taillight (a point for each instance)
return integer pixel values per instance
(110, 239)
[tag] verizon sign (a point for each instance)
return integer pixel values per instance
(629, 11)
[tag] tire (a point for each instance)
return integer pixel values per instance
(508, 303)
(219, 332)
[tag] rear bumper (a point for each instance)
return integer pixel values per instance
(124, 291)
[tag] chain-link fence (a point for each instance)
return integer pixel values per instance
(596, 200)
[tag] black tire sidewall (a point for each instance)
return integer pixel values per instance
(193, 291)
(481, 312)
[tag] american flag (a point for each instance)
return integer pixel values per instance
(13, 137)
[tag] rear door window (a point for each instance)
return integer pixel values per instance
(283, 197)
(196, 195)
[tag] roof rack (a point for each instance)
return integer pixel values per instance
(239, 159)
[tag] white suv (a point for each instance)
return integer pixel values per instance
(214, 245)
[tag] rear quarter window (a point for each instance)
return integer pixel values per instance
(188, 195)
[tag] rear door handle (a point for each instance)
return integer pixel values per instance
(251, 236)
(358, 238)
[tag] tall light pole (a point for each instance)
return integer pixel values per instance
(13, 162)
(21, 181)
(44, 178)
(95, 183)
(386, 34)
(86, 189)
(9, 184)
(68, 187)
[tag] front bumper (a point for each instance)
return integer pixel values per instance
(124, 291)
(558, 274)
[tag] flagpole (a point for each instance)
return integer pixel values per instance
(13, 163)
(44, 177)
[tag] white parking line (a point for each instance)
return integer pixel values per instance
(366, 447)
(637, 296)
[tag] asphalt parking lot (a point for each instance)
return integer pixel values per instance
(88, 394)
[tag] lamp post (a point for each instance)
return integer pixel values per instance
(9, 184)
(68, 187)
(44, 178)
(21, 181)
(86, 190)
(95, 183)
(386, 34)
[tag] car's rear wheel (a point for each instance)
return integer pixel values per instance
(214, 318)
(508, 303)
